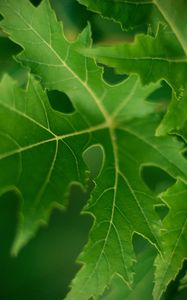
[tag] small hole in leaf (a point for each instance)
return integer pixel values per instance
(156, 178)
(94, 158)
(111, 77)
(60, 102)
(35, 2)
(162, 94)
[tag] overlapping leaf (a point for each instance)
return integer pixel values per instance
(115, 117)
(152, 58)
(175, 118)
(137, 13)
(161, 57)
(143, 281)
(150, 12)
(174, 238)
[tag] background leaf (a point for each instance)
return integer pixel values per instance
(138, 13)
(146, 12)
(152, 58)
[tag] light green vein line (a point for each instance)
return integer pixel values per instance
(169, 260)
(47, 179)
(138, 204)
(26, 117)
(56, 138)
(83, 83)
(125, 101)
(169, 20)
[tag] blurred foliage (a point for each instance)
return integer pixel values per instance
(46, 265)
(8, 50)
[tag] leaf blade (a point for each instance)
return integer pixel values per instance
(173, 237)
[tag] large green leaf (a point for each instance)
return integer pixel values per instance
(44, 148)
(41, 154)
(174, 238)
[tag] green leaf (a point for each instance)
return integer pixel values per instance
(173, 238)
(153, 58)
(137, 13)
(44, 150)
(35, 153)
(143, 281)
(115, 117)
(175, 117)
(174, 20)
(145, 12)
(164, 56)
